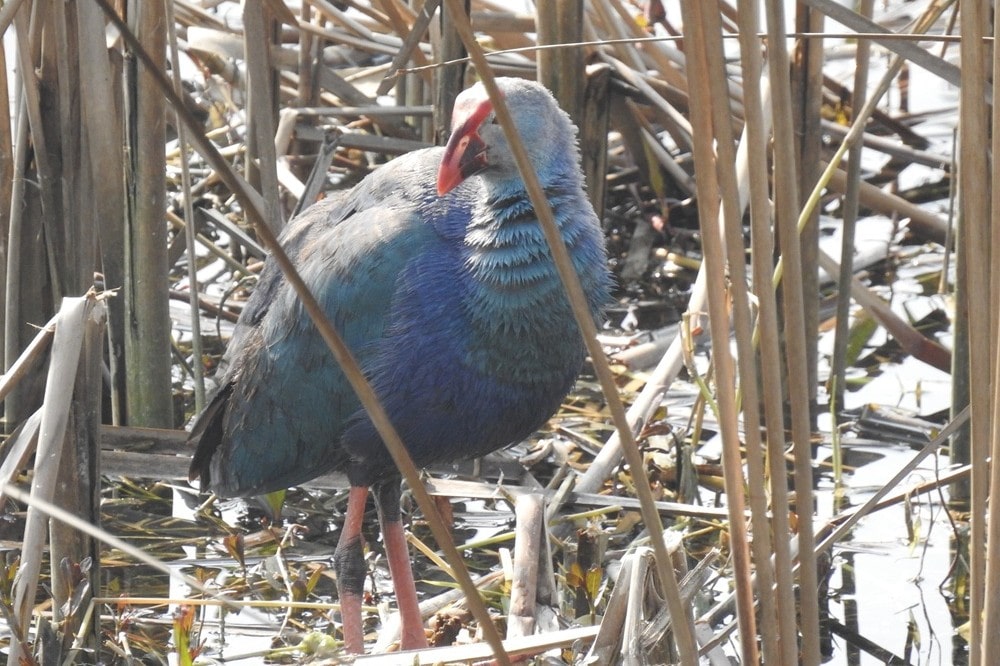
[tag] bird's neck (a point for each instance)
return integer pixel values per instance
(515, 301)
(504, 235)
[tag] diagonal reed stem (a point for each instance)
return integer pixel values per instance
(683, 625)
(252, 201)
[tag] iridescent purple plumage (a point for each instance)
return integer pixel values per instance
(436, 273)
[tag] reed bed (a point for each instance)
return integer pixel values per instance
(153, 152)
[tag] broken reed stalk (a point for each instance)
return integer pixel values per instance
(19, 447)
(710, 106)
(28, 359)
(529, 513)
(633, 623)
(67, 345)
(74, 557)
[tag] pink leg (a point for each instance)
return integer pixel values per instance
(349, 565)
(398, 556)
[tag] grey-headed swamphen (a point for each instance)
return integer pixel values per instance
(436, 272)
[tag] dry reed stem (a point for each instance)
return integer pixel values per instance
(780, 646)
(975, 233)
(924, 223)
(529, 513)
(32, 204)
(891, 147)
(72, 248)
(79, 481)
(912, 340)
(19, 447)
(807, 101)
(850, 213)
(520, 648)
(683, 631)
(66, 347)
(261, 166)
(148, 400)
(844, 523)
(28, 359)
(197, 346)
(562, 70)
(42, 143)
(710, 116)
(980, 82)
(104, 164)
(903, 48)
(6, 170)
(798, 391)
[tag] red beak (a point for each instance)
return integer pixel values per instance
(465, 153)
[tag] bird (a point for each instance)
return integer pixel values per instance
(435, 271)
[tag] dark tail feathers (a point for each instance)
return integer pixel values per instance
(207, 434)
